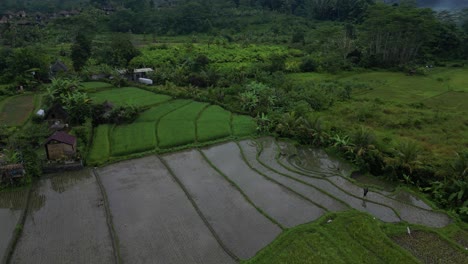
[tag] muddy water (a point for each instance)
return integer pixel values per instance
(66, 223)
(411, 199)
(315, 160)
(153, 218)
(239, 225)
(12, 203)
(250, 151)
(382, 212)
(283, 205)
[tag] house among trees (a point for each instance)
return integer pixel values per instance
(60, 145)
(11, 173)
(57, 68)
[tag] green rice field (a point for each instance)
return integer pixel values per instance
(171, 124)
(213, 123)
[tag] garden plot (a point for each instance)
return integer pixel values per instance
(129, 96)
(214, 123)
(238, 224)
(66, 223)
(16, 110)
(154, 219)
(270, 150)
(286, 207)
(12, 204)
(178, 127)
(250, 151)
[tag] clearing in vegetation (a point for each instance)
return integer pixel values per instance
(14, 111)
(242, 228)
(154, 219)
(65, 222)
(129, 96)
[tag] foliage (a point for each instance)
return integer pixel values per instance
(80, 51)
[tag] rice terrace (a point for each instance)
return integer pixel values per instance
(227, 131)
(249, 200)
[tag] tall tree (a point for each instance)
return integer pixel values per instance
(80, 51)
(395, 34)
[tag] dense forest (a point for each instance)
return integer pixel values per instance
(243, 55)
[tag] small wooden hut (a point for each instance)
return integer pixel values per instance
(60, 145)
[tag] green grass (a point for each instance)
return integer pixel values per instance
(178, 127)
(350, 237)
(99, 152)
(243, 125)
(214, 123)
(14, 111)
(132, 138)
(155, 113)
(93, 86)
(129, 95)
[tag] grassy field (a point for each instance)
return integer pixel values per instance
(14, 111)
(429, 109)
(213, 123)
(129, 96)
(345, 237)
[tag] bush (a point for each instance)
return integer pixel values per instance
(308, 64)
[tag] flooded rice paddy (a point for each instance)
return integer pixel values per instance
(67, 224)
(219, 204)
